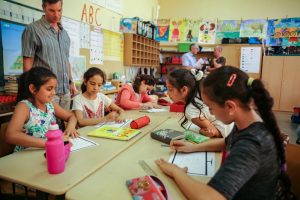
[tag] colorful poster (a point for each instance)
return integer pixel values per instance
(283, 32)
(128, 25)
(207, 32)
(190, 30)
(228, 28)
(291, 41)
(176, 28)
(254, 28)
(162, 30)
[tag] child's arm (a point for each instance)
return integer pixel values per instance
(68, 117)
(206, 127)
(213, 145)
(15, 134)
(126, 103)
(148, 101)
(119, 110)
(191, 188)
(88, 121)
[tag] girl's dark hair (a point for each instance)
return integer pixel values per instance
(216, 87)
(138, 81)
(183, 77)
(37, 76)
(89, 74)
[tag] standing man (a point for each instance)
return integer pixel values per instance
(218, 60)
(45, 43)
(189, 60)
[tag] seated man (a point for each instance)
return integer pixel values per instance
(189, 60)
(218, 60)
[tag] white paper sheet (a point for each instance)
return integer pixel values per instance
(155, 110)
(96, 47)
(198, 163)
(81, 142)
(250, 59)
(73, 29)
(115, 124)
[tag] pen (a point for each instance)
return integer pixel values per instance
(165, 145)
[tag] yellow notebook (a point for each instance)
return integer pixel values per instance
(114, 133)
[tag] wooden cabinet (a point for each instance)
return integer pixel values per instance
(280, 75)
(140, 51)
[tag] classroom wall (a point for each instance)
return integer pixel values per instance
(228, 9)
(144, 9)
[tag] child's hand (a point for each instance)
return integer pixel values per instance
(147, 105)
(71, 132)
(210, 132)
(182, 146)
(168, 168)
(156, 105)
(112, 116)
(120, 119)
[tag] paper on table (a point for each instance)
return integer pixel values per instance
(81, 142)
(115, 124)
(198, 163)
(155, 110)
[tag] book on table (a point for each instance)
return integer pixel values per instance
(114, 133)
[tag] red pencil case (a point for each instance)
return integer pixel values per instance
(147, 188)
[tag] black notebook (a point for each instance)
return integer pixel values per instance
(166, 135)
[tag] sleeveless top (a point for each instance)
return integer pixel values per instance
(38, 122)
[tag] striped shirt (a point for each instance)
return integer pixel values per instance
(50, 49)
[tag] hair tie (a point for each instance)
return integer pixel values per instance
(231, 80)
(250, 81)
(198, 74)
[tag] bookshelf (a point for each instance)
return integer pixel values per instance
(140, 51)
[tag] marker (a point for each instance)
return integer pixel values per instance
(165, 145)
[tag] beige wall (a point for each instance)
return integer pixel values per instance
(144, 9)
(131, 8)
(228, 9)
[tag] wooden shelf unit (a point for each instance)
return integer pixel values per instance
(140, 51)
(280, 75)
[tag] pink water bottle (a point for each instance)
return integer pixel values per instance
(55, 150)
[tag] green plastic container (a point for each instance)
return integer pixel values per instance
(184, 47)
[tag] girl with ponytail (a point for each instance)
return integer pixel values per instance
(255, 159)
(183, 86)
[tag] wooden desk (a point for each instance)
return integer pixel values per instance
(29, 167)
(109, 181)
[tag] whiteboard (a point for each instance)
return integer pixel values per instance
(250, 59)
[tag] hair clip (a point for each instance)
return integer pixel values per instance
(231, 80)
(198, 74)
(250, 81)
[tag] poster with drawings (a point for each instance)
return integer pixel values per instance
(207, 32)
(250, 59)
(254, 28)
(73, 29)
(228, 29)
(96, 47)
(84, 36)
